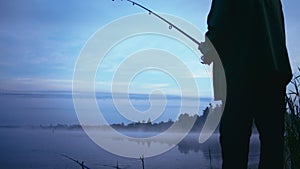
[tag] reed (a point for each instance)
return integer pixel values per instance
(143, 161)
(292, 124)
(210, 158)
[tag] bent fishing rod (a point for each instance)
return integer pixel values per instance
(171, 25)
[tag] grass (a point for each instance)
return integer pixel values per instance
(292, 124)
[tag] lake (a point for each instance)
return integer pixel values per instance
(27, 148)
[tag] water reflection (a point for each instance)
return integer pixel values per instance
(190, 144)
(209, 151)
(36, 148)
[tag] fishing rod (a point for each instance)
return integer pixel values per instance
(76, 161)
(171, 25)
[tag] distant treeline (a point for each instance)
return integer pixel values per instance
(149, 126)
(181, 123)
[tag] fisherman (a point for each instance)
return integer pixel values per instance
(249, 37)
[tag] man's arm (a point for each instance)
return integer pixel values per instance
(219, 25)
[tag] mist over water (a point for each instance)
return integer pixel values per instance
(25, 145)
(28, 148)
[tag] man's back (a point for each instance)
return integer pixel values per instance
(249, 36)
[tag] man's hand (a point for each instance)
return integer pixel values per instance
(206, 51)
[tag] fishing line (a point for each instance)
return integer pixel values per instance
(171, 26)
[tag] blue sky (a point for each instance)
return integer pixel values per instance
(40, 40)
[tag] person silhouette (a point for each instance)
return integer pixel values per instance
(249, 38)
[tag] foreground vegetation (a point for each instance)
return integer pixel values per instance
(292, 124)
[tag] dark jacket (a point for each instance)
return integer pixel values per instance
(249, 36)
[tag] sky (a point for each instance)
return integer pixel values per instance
(40, 40)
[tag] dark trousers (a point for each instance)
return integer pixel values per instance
(260, 100)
